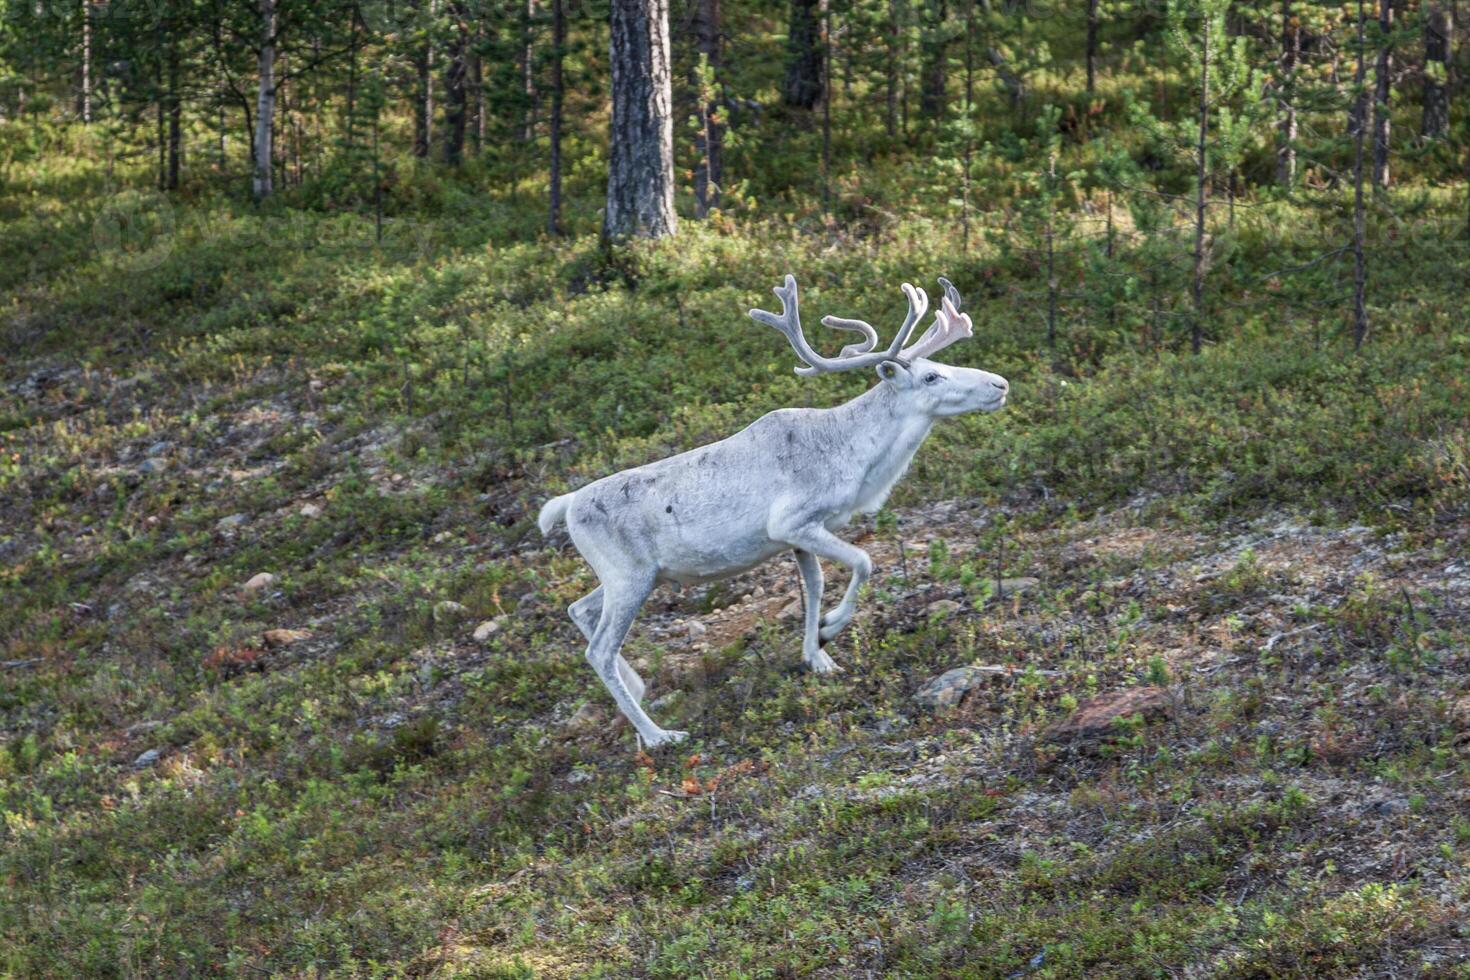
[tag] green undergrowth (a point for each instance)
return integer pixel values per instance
(389, 797)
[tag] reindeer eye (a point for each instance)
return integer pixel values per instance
(931, 377)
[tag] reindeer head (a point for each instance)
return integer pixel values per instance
(923, 385)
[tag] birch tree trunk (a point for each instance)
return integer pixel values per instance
(558, 44)
(84, 105)
(640, 180)
(1360, 274)
(1196, 327)
(527, 60)
(265, 102)
(1382, 89)
(1291, 46)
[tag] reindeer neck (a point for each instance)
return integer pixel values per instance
(883, 431)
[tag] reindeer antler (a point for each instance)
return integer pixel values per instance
(949, 326)
(852, 356)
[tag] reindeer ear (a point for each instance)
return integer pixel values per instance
(893, 371)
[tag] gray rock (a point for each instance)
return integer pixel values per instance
(259, 583)
(587, 717)
(667, 702)
(528, 606)
(942, 608)
(448, 611)
(232, 522)
(486, 630)
(153, 464)
(949, 687)
(147, 759)
(696, 629)
(1017, 586)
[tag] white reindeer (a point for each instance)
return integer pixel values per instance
(781, 484)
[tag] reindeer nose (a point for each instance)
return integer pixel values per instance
(1001, 384)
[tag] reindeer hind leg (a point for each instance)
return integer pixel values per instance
(586, 612)
(620, 605)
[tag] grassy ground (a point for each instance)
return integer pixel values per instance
(1267, 542)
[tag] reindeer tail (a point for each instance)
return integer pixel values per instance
(554, 512)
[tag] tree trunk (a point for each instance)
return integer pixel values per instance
(477, 79)
(709, 141)
(1092, 6)
(1435, 123)
(1360, 275)
(84, 99)
(894, 64)
(528, 70)
(349, 122)
(265, 103)
(640, 180)
(1196, 327)
(175, 120)
(423, 103)
(1291, 48)
(826, 106)
(454, 86)
(558, 44)
(1382, 89)
(804, 55)
(936, 58)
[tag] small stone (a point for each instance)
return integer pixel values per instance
(942, 608)
(587, 717)
(696, 629)
(153, 464)
(310, 510)
(158, 448)
(442, 537)
(1460, 713)
(949, 687)
(284, 637)
(759, 592)
(1017, 586)
(1097, 717)
(578, 776)
(791, 611)
(528, 606)
(887, 725)
(448, 611)
(485, 630)
(668, 701)
(226, 524)
(147, 759)
(259, 583)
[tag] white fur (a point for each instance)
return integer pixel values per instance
(783, 483)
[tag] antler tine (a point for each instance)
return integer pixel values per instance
(949, 326)
(852, 356)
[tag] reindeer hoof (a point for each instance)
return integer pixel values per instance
(666, 737)
(823, 664)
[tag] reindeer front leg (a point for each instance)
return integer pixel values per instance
(811, 586)
(822, 543)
